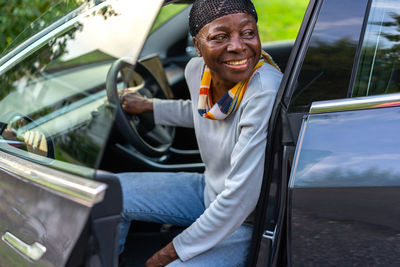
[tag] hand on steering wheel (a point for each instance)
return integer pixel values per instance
(138, 127)
(134, 103)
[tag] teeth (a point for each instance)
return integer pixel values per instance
(237, 62)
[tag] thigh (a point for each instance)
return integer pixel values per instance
(169, 198)
(231, 252)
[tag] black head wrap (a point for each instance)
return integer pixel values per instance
(205, 11)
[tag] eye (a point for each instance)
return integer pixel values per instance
(248, 34)
(219, 37)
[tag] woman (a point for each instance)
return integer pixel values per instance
(232, 84)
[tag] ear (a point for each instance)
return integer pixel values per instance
(196, 45)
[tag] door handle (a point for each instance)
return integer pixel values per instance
(33, 252)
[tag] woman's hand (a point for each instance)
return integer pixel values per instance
(134, 103)
(163, 257)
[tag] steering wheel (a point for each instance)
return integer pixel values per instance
(139, 130)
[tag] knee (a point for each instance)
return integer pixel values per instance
(124, 216)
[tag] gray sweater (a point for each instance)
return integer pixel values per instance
(232, 151)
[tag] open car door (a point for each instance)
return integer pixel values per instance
(56, 209)
(335, 200)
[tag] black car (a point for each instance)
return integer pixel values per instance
(331, 188)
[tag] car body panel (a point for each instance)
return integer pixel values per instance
(345, 187)
(319, 67)
(42, 205)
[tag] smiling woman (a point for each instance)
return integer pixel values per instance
(230, 47)
(232, 87)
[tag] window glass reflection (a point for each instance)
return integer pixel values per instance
(379, 67)
(54, 105)
(327, 67)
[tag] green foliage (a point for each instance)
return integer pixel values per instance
(17, 15)
(279, 19)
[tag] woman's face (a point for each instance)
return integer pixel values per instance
(230, 46)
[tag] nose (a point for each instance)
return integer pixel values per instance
(236, 44)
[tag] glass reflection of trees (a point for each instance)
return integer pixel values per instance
(82, 144)
(379, 68)
(325, 73)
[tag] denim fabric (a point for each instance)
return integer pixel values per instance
(177, 199)
(230, 252)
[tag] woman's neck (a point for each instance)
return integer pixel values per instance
(219, 89)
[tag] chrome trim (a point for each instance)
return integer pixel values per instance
(30, 49)
(81, 190)
(269, 234)
(33, 252)
(357, 103)
(297, 151)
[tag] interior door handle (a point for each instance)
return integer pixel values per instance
(33, 252)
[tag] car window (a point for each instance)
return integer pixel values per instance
(326, 70)
(53, 102)
(53, 107)
(28, 13)
(378, 69)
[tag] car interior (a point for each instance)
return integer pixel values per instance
(159, 73)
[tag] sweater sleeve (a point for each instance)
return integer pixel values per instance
(242, 185)
(179, 112)
(173, 112)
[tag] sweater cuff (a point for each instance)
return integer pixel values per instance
(180, 250)
(157, 110)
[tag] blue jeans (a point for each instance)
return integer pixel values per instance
(177, 199)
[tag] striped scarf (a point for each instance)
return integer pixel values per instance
(231, 100)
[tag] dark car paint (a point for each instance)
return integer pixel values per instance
(272, 245)
(28, 212)
(99, 240)
(345, 190)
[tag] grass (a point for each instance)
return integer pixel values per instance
(279, 19)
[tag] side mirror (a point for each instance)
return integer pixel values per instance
(23, 133)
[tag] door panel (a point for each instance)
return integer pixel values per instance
(54, 125)
(45, 209)
(345, 188)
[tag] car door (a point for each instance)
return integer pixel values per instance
(55, 207)
(338, 155)
(344, 184)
